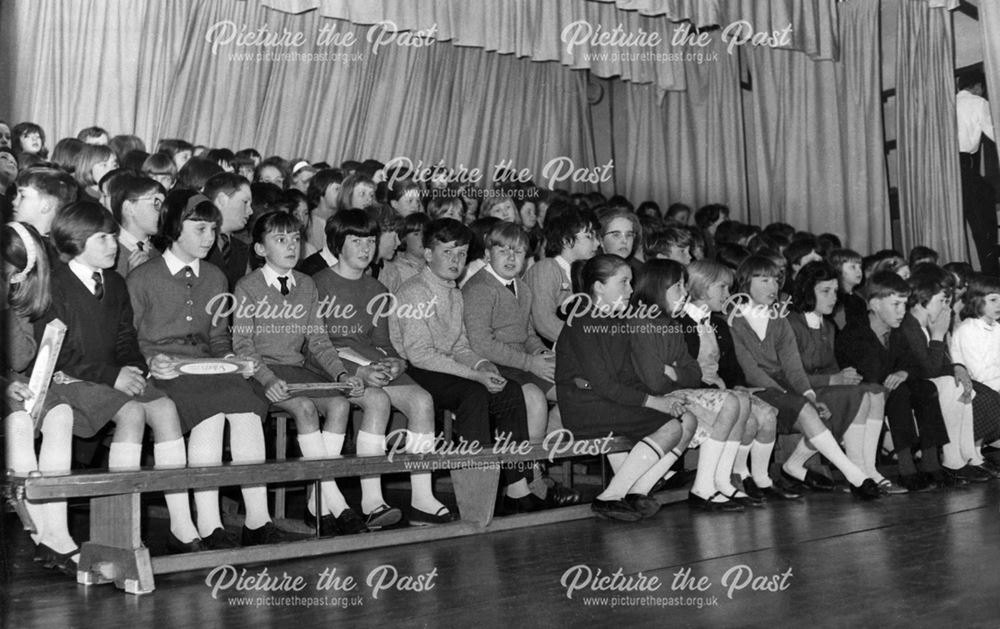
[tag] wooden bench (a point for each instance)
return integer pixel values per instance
(115, 551)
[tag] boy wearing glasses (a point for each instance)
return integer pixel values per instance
(136, 204)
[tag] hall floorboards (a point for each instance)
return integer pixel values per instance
(918, 560)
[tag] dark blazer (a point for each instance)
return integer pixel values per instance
(729, 368)
(857, 346)
(239, 260)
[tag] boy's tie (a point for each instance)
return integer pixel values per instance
(98, 285)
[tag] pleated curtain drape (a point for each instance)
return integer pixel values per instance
(989, 21)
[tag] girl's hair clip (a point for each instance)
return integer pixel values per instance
(30, 252)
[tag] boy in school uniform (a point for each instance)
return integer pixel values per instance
(881, 353)
(410, 261)
(231, 194)
(427, 328)
(136, 204)
(569, 236)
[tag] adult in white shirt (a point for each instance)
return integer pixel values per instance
(978, 197)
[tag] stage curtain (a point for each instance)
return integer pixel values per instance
(930, 193)
(989, 19)
(686, 147)
(815, 156)
(159, 78)
(534, 28)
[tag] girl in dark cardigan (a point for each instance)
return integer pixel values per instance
(664, 365)
(857, 408)
(599, 392)
(766, 350)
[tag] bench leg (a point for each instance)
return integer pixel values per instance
(115, 552)
(476, 493)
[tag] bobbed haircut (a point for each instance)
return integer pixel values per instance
(884, 284)
(32, 296)
(196, 172)
(122, 145)
(756, 266)
(89, 156)
(275, 222)
(561, 229)
(653, 280)
(445, 230)
(346, 223)
(703, 273)
(413, 223)
(980, 285)
(347, 189)
(507, 234)
(75, 223)
(322, 180)
(159, 163)
(66, 153)
(804, 284)
(927, 280)
(186, 205)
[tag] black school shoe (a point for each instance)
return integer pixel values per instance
(177, 547)
(49, 558)
(867, 490)
(327, 523)
(709, 504)
(646, 505)
(526, 504)
(916, 482)
(423, 518)
(350, 523)
(615, 510)
(944, 479)
(220, 539)
(813, 480)
(777, 491)
(973, 473)
(267, 534)
(383, 516)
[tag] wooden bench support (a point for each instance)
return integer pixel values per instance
(115, 552)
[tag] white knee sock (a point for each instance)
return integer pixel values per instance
(873, 430)
(741, 464)
(642, 456)
(967, 442)
(171, 454)
(708, 462)
(246, 443)
(827, 445)
(724, 471)
(760, 461)
(371, 444)
(616, 460)
(20, 446)
(422, 483)
(854, 444)
(124, 455)
(314, 447)
(646, 482)
(333, 500)
(55, 456)
(204, 450)
(796, 463)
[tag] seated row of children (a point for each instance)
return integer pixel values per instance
(485, 353)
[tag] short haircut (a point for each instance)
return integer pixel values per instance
(133, 160)
(707, 215)
(159, 163)
(122, 145)
(444, 230)
(439, 205)
(731, 255)
(228, 183)
(728, 231)
(920, 254)
(66, 153)
(561, 230)
(92, 132)
(675, 209)
(387, 218)
(173, 146)
(608, 215)
(494, 200)
(927, 280)
(839, 257)
(347, 189)
(320, 182)
(128, 187)
(414, 223)
(756, 266)
(804, 284)
(75, 223)
(799, 249)
(703, 273)
(825, 243)
(980, 285)
(274, 222)
(886, 284)
(662, 240)
(196, 172)
(178, 207)
(90, 155)
(653, 280)
(507, 234)
(51, 182)
(350, 223)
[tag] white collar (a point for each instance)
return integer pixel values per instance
(86, 274)
(327, 255)
(489, 268)
(271, 277)
(129, 240)
(700, 314)
(175, 264)
(814, 321)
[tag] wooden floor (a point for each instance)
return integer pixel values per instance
(921, 560)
